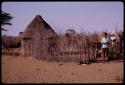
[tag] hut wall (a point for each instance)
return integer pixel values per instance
(26, 47)
(22, 48)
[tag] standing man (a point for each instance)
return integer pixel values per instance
(113, 39)
(113, 46)
(105, 46)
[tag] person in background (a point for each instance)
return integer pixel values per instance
(105, 46)
(113, 39)
(113, 46)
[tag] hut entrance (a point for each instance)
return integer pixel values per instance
(27, 45)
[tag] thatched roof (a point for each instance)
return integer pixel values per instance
(38, 24)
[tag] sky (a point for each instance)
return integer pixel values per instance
(80, 16)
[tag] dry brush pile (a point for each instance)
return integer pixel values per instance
(85, 47)
(9, 43)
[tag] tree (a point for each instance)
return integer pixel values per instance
(5, 19)
(70, 31)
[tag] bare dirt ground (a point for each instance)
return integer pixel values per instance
(18, 69)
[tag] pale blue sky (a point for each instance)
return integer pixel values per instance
(81, 16)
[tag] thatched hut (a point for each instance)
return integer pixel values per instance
(35, 40)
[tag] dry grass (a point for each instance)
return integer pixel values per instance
(118, 78)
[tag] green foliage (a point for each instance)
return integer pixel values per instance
(5, 19)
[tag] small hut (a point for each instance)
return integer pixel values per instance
(35, 40)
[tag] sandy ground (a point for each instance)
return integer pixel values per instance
(17, 69)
